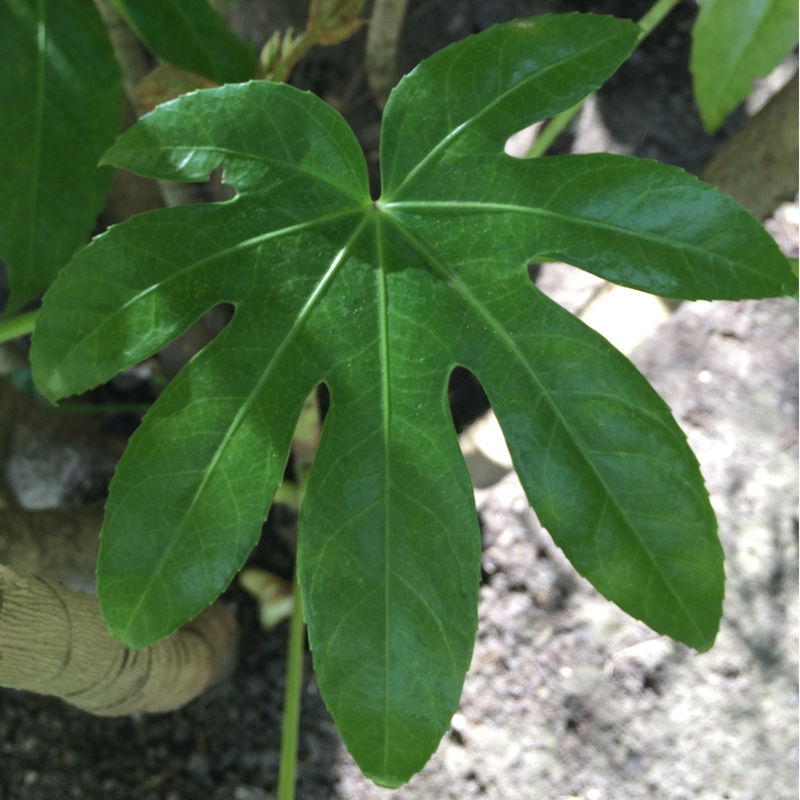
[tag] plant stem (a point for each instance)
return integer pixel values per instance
(383, 36)
(654, 16)
(304, 447)
(548, 135)
(17, 326)
(298, 49)
(291, 704)
(550, 131)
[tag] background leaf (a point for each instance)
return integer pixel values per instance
(380, 301)
(191, 35)
(734, 41)
(60, 89)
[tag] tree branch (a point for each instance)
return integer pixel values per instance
(54, 641)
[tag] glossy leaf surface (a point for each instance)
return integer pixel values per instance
(380, 300)
(734, 41)
(191, 35)
(61, 95)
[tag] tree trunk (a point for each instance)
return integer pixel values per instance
(52, 638)
(757, 166)
(54, 641)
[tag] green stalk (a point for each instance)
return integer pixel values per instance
(297, 50)
(304, 447)
(19, 325)
(548, 135)
(550, 131)
(654, 16)
(291, 703)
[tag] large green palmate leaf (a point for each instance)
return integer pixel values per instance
(734, 41)
(191, 35)
(61, 95)
(380, 300)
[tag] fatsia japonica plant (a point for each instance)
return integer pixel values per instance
(379, 299)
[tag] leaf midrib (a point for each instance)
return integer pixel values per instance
(487, 109)
(355, 191)
(478, 308)
(175, 275)
(506, 208)
(386, 418)
(302, 317)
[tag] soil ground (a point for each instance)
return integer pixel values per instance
(567, 697)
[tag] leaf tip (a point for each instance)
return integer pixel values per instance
(53, 385)
(386, 779)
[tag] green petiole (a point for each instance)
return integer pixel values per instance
(19, 325)
(556, 125)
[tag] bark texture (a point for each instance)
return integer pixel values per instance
(53, 641)
(52, 637)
